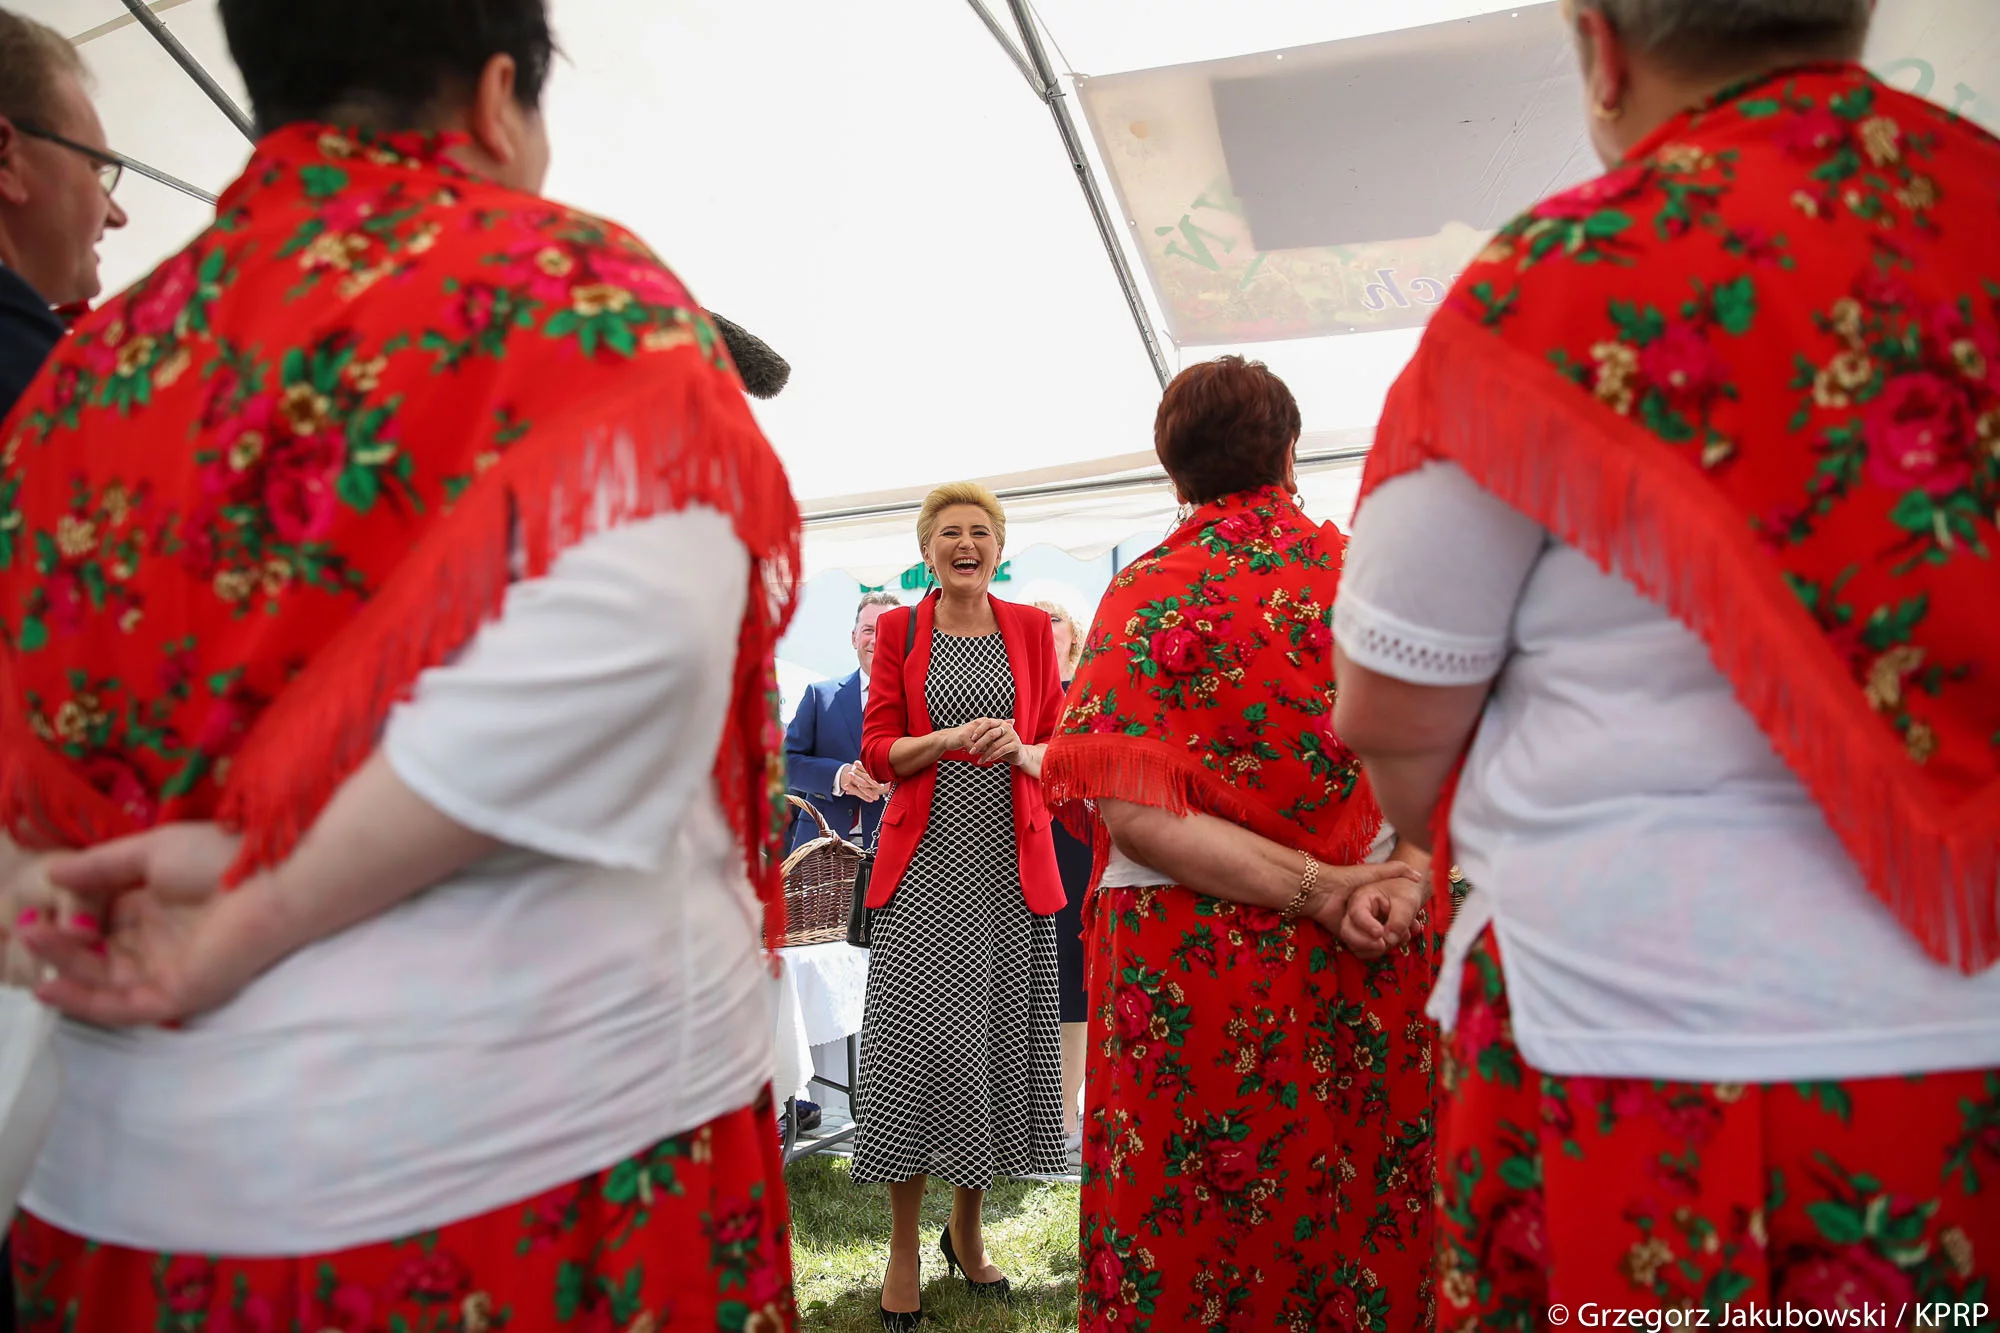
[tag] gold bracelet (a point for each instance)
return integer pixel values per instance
(1307, 883)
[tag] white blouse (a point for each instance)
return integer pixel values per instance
(567, 1002)
(1669, 901)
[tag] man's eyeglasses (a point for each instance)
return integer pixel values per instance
(110, 166)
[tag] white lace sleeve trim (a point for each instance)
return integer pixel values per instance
(1392, 646)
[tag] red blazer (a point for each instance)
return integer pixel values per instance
(896, 709)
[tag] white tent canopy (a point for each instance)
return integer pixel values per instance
(875, 191)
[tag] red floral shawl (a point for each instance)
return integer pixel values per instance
(251, 499)
(1206, 685)
(1755, 370)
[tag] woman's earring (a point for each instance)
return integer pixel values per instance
(1606, 112)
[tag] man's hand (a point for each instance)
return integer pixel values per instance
(854, 781)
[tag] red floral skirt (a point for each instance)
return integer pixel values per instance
(1864, 1195)
(690, 1234)
(1258, 1150)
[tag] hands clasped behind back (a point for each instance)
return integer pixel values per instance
(1369, 908)
(1378, 913)
(26, 898)
(171, 945)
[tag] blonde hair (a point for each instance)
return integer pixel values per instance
(959, 493)
(1057, 611)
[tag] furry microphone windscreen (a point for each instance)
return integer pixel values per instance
(764, 372)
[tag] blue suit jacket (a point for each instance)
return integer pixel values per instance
(826, 733)
(29, 331)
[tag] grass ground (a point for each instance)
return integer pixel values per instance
(840, 1243)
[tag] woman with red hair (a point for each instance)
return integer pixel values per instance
(1257, 1151)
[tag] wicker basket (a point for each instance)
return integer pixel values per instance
(819, 884)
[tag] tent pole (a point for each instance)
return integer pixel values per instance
(1107, 232)
(1007, 45)
(171, 182)
(182, 57)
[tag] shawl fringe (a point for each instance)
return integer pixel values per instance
(681, 437)
(1144, 771)
(45, 804)
(1606, 487)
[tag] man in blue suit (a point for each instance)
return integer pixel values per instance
(823, 744)
(822, 760)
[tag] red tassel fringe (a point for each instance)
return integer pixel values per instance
(1143, 771)
(683, 436)
(1607, 488)
(45, 804)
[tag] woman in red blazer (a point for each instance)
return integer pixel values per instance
(960, 1047)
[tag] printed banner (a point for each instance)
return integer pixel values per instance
(1340, 188)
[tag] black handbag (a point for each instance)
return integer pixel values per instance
(858, 915)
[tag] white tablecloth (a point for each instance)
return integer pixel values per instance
(818, 1004)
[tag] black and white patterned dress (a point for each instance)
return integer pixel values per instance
(961, 1060)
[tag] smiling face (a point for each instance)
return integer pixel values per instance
(963, 552)
(62, 211)
(864, 639)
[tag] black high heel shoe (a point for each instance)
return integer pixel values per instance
(1002, 1290)
(903, 1321)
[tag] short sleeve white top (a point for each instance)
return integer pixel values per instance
(1669, 901)
(591, 989)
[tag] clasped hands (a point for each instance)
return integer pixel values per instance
(855, 781)
(990, 741)
(1371, 909)
(135, 931)
(27, 898)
